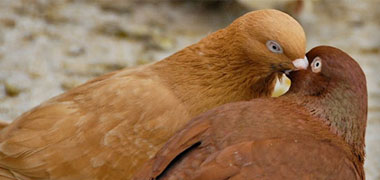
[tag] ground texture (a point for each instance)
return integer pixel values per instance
(47, 47)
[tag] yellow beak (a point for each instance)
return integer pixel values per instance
(282, 86)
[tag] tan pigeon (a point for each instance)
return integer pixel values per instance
(108, 127)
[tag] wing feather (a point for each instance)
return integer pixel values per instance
(105, 129)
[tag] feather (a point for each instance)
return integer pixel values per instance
(278, 138)
(108, 127)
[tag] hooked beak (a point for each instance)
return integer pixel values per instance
(301, 63)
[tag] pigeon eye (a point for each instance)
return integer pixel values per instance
(274, 46)
(316, 65)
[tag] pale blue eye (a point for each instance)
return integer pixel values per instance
(274, 46)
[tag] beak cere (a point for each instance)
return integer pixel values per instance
(301, 63)
(282, 86)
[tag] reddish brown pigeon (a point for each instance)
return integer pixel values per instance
(108, 127)
(315, 131)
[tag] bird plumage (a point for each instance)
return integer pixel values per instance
(108, 127)
(312, 132)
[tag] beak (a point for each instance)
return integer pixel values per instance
(301, 63)
(283, 82)
(282, 86)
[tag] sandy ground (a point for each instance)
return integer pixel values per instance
(47, 47)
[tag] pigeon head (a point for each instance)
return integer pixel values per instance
(272, 38)
(273, 41)
(334, 89)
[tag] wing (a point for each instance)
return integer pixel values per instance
(103, 129)
(184, 140)
(260, 139)
(280, 159)
(266, 159)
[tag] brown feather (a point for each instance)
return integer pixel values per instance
(296, 136)
(108, 127)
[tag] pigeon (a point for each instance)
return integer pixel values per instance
(315, 131)
(110, 126)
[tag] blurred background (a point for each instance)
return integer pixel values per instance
(50, 46)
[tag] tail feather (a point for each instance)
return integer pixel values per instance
(7, 175)
(3, 124)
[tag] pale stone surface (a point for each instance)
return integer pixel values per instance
(47, 47)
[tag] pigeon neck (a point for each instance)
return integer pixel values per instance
(343, 110)
(212, 72)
